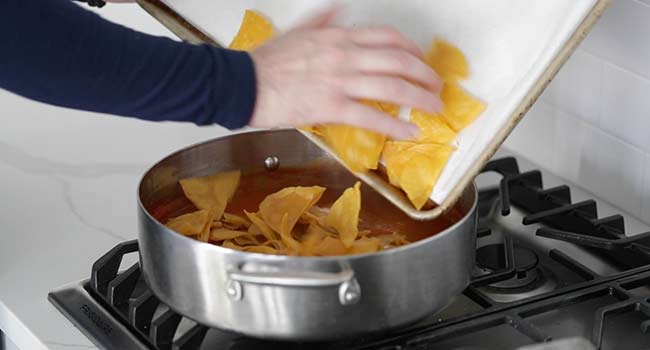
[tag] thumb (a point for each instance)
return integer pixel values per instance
(322, 19)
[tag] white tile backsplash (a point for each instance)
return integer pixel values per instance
(598, 112)
(569, 139)
(622, 36)
(540, 120)
(578, 89)
(625, 105)
(612, 169)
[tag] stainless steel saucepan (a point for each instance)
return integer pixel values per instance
(287, 297)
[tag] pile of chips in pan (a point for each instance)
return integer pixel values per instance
(287, 222)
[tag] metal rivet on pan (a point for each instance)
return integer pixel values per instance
(234, 290)
(349, 292)
(272, 163)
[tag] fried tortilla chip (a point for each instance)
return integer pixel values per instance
(236, 220)
(448, 61)
(394, 156)
(285, 234)
(261, 249)
(416, 167)
(192, 224)
(258, 225)
(344, 215)
(293, 201)
(360, 149)
(253, 32)
(246, 240)
(433, 128)
(461, 108)
(222, 234)
(330, 246)
(365, 245)
(211, 192)
(312, 238)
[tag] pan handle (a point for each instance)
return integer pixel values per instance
(349, 290)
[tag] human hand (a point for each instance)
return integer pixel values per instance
(317, 73)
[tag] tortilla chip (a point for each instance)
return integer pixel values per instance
(211, 192)
(285, 234)
(416, 167)
(365, 245)
(258, 225)
(460, 109)
(236, 220)
(433, 128)
(246, 240)
(293, 201)
(221, 234)
(344, 215)
(448, 61)
(330, 246)
(394, 156)
(192, 224)
(253, 32)
(261, 249)
(359, 148)
(230, 245)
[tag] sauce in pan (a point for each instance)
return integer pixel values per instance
(377, 214)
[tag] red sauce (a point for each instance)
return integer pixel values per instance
(377, 214)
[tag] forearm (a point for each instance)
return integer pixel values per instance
(56, 52)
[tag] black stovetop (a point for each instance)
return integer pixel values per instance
(546, 269)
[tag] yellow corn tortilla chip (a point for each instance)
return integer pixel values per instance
(211, 192)
(285, 234)
(359, 148)
(259, 224)
(344, 215)
(433, 128)
(253, 32)
(221, 234)
(460, 108)
(448, 61)
(293, 201)
(246, 240)
(330, 246)
(261, 249)
(365, 245)
(236, 220)
(394, 157)
(416, 167)
(312, 237)
(192, 224)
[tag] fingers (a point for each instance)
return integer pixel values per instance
(395, 62)
(384, 36)
(321, 19)
(359, 115)
(391, 89)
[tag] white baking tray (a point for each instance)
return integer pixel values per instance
(514, 48)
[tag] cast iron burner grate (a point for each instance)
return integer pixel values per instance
(626, 294)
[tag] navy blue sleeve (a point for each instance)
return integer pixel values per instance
(56, 52)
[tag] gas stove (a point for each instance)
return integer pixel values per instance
(551, 272)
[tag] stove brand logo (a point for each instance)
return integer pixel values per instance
(96, 319)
